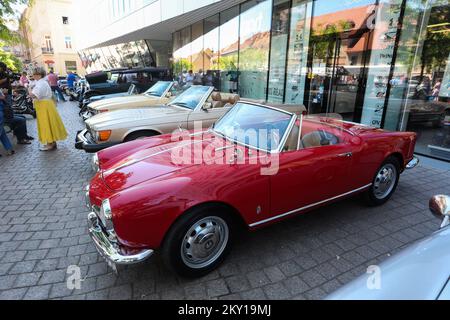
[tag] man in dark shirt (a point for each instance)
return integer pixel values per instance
(5, 82)
(17, 123)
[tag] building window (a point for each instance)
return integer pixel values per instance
(65, 20)
(71, 66)
(68, 42)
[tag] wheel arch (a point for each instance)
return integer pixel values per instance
(399, 156)
(238, 220)
(137, 130)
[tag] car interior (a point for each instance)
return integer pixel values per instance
(220, 100)
(314, 134)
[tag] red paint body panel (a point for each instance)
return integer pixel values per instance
(148, 191)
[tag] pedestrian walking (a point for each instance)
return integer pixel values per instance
(49, 124)
(53, 82)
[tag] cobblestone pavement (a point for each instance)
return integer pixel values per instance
(43, 231)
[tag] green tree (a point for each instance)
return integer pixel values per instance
(7, 14)
(11, 61)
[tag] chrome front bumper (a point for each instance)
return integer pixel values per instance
(107, 244)
(413, 163)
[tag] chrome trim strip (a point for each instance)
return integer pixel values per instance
(308, 206)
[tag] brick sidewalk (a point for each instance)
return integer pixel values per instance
(43, 231)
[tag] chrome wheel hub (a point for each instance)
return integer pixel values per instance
(385, 181)
(204, 242)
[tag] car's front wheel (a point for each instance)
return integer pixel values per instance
(198, 242)
(384, 183)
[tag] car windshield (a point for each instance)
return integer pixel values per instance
(158, 89)
(254, 125)
(191, 97)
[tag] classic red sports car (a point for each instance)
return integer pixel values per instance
(186, 194)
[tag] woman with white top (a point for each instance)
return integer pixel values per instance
(49, 124)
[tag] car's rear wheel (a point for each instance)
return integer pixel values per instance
(384, 182)
(140, 135)
(198, 242)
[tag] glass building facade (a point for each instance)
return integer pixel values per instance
(384, 63)
(135, 54)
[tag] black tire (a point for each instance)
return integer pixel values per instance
(176, 243)
(140, 134)
(373, 195)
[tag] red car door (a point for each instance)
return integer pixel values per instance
(310, 176)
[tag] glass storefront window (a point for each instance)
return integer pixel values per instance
(296, 70)
(280, 31)
(254, 48)
(385, 31)
(229, 48)
(182, 51)
(197, 55)
(211, 51)
(424, 95)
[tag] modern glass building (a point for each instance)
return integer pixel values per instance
(384, 63)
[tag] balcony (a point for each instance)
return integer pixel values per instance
(47, 50)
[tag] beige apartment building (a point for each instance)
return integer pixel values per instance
(51, 38)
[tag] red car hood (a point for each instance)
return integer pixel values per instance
(152, 162)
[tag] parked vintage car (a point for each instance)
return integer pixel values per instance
(143, 198)
(420, 272)
(160, 93)
(198, 103)
(120, 80)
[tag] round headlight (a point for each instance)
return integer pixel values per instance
(95, 163)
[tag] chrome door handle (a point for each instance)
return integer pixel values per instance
(345, 155)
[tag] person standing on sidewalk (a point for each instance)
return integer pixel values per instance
(3, 137)
(49, 123)
(5, 81)
(53, 81)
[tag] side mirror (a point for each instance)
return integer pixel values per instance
(207, 106)
(169, 94)
(440, 207)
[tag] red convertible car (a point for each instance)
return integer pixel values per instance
(158, 194)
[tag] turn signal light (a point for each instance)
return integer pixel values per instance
(104, 135)
(103, 110)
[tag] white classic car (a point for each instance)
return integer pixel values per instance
(160, 93)
(197, 103)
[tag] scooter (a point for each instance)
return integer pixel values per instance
(22, 103)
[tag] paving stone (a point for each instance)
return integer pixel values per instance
(38, 293)
(216, 288)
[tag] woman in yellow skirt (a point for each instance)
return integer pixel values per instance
(49, 124)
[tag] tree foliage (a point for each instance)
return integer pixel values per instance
(7, 14)
(11, 61)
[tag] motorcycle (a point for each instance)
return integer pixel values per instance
(22, 103)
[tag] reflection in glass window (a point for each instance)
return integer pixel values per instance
(254, 48)
(280, 29)
(197, 54)
(298, 51)
(211, 51)
(229, 46)
(182, 51)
